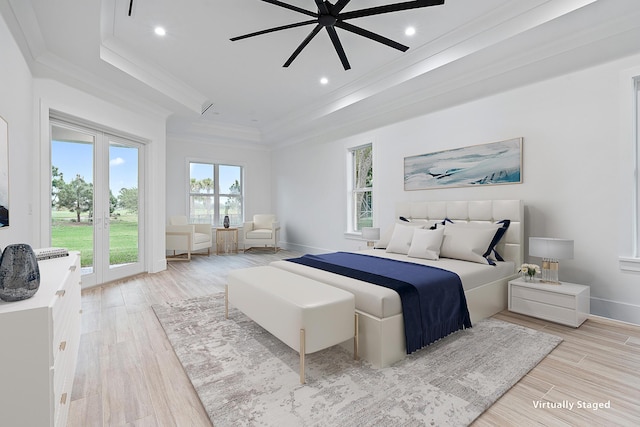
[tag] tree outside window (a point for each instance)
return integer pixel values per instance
(362, 192)
(215, 191)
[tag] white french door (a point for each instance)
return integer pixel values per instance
(96, 200)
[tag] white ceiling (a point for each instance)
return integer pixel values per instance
(462, 50)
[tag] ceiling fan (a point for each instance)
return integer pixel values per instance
(329, 16)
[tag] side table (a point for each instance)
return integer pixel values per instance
(567, 303)
(226, 237)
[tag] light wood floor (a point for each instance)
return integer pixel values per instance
(128, 374)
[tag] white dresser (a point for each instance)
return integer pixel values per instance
(567, 303)
(39, 340)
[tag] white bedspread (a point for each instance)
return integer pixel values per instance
(384, 302)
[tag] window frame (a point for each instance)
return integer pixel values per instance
(216, 194)
(630, 109)
(352, 211)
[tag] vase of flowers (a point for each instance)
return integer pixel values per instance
(529, 271)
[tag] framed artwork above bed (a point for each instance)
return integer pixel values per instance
(486, 164)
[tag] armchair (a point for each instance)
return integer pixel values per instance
(187, 238)
(261, 232)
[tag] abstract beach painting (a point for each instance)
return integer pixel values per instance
(486, 164)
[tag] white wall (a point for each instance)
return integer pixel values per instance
(576, 175)
(255, 160)
(16, 101)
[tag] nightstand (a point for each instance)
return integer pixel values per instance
(567, 303)
(224, 244)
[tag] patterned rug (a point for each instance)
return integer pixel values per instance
(246, 377)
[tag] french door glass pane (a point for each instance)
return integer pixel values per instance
(72, 193)
(123, 204)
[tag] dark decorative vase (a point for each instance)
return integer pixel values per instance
(19, 273)
(225, 221)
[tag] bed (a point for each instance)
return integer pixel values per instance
(381, 325)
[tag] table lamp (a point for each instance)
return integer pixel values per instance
(551, 251)
(370, 234)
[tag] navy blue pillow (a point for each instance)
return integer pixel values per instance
(492, 247)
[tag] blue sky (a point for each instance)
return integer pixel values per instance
(77, 159)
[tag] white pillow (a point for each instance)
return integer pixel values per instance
(468, 243)
(426, 243)
(401, 239)
(385, 238)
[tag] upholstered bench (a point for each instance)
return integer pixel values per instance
(306, 315)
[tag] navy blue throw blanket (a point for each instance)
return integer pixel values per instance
(433, 301)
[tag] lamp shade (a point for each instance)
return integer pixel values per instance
(370, 233)
(550, 248)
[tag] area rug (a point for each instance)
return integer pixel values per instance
(246, 377)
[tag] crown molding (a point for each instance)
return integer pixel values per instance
(501, 70)
(515, 18)
(24, 22)
(206, 131)
(115, 53)
(43, 64)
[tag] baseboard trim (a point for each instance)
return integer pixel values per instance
(304, 248)
(615, 310)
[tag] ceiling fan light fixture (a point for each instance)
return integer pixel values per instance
(160, 31)
(329, 16)
(409, 31)
(324, 81)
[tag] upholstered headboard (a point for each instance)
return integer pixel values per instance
(512, 245)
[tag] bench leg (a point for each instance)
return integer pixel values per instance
(355, 338)
(302, 350)
(226, 301)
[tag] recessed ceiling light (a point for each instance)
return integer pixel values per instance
(324, 81)
(409, 31)
(160, 31)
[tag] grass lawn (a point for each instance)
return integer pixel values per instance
(123, 238)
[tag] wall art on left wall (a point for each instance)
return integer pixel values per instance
(4, 173)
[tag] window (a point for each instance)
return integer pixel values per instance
(361, 207)
(636, 175)
(215, 191)
(630, 259)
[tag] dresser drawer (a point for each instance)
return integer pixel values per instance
(67, 318)
(557, 314)
(65, 361)
(65, 311)
(61, 403)
(70, 287)
(556, 299)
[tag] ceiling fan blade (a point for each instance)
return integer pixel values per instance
(322, 7)
(130, 7)
(340, 4)
(338, 46)
(373, 36)
(390, 8)
(271, 30)
(304, 44)
(291, 7)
